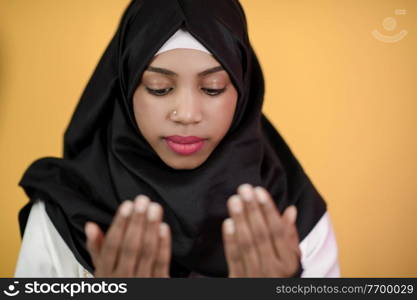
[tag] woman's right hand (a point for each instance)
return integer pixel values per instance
(137, 243)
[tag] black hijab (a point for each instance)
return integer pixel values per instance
(106, 159)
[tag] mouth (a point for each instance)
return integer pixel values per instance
(184, 145)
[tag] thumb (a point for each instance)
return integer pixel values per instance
(95, 239)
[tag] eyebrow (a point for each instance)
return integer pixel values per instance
(172, 73)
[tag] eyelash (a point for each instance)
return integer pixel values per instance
(163, 92)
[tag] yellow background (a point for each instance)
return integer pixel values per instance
(345, 102)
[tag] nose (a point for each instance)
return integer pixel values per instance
(187, 108)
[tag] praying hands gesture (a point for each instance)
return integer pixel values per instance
(137, 243)
(259, 242)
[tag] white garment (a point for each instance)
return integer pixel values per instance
(44, 253)
(182, 39)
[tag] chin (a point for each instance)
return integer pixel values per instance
(184, 166)
(184, 163)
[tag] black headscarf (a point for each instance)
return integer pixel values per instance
(106, 159)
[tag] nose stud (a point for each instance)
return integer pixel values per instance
(174, 112)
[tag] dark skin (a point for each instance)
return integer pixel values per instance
(258, 240)
(137, 244)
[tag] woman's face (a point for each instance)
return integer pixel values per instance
(184, 106)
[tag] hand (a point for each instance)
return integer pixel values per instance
(259, 242)
(137, 243)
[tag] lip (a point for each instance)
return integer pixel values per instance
(184, 145)
(184, 139)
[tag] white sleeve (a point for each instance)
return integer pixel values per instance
(319, 251)
(43, 252)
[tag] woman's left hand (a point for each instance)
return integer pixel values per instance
(259, 242)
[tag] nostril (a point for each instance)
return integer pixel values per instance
(188, 116)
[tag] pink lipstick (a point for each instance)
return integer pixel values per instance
(184, 145)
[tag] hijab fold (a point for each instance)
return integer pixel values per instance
(106, 159)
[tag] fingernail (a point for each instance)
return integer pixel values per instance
(141, 202)
(88, 229)
(126, 208)
(229, 226)
(262, 198)
(246, 192)
(153, 212)
(163, 229)
(235, 204)
(292, 213)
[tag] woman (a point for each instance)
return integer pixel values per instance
(171, 118)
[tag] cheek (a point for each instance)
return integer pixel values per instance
(223, 113)
(147, 113)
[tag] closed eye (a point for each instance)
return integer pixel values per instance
(160, 92)
(213, 92)
(163, 92)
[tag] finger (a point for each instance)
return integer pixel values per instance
(283, 231)
(95, 239)
(133, 238)
(292, 253)
(274, 219)
(234, 260)
(244, 237)
(162, 262)
(290, 215)
(258, 227)
(114, 236)
(148, 251)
